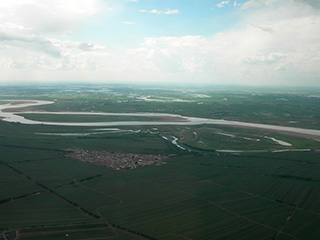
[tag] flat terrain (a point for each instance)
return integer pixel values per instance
(87, 118)
(218, 182)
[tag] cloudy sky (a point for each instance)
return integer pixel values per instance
(243, 42)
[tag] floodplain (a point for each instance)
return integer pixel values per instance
(223, 182)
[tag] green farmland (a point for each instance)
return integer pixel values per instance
(218, 182)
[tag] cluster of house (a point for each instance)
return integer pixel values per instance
(117, 161)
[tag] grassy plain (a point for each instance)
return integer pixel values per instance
(86, 118)
(266, 191)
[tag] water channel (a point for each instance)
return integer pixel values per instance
(8, 114)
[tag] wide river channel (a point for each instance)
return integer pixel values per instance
(10, 115)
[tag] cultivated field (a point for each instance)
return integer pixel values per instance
(218, 182)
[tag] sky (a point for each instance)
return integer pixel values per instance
(243, 42)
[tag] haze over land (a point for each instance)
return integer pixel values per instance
(147, 41)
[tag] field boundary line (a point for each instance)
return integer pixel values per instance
(222, 208)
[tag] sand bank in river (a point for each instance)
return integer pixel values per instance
(168, 119)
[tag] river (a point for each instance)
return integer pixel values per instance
(180, 120)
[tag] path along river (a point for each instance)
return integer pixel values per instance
(10, 115)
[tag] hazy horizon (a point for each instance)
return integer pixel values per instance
(189, 43)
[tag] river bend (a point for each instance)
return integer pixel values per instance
(10, 115)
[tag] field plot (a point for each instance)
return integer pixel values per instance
(67, 170)
(19, 154)
(43, 209)
(13, 185)
(79, 232)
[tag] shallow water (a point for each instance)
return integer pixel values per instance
(280, 142)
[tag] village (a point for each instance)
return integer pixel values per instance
(117, 161)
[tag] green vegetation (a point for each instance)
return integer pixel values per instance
(86, 118)
(264, 191)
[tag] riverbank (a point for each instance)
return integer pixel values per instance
(15, 109)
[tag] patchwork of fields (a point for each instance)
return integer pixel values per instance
(264, 197)
(261, 191)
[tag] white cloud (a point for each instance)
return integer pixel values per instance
(45, 16)
(265, 28)
(270, 58)
(87, 46)
(222, 4)
(236, 4)
(156, 11)
(258, 3)
(169, 11)
(30, 42)
(251, 4)
(277, 44)
(29, 25)
(312, 3)
(129, 23)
